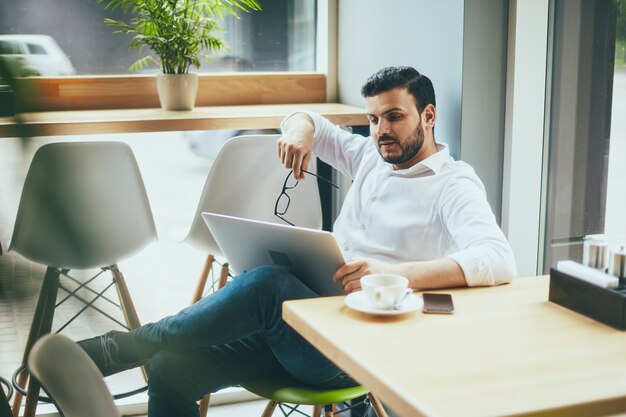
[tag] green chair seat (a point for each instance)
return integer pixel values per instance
(285, 389)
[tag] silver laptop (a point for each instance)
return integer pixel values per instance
(311, 255)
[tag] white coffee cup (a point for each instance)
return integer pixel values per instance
(385, 291)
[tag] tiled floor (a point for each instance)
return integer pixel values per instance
(161, 278)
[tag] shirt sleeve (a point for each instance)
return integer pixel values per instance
(484, 254)
(335, 145)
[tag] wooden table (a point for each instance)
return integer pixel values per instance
(506, 351)
(80, 122)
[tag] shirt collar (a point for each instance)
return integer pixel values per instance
(433, 163)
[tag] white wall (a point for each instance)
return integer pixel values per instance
(484, 93)
(524, 131)
(427, 35)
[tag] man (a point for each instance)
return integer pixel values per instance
(411, 210)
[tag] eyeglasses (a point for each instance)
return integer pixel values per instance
(283, 200)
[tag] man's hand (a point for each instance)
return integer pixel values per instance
(438, 273)
(295, 146)
(350, 273)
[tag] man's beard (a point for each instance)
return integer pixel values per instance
(408, 149)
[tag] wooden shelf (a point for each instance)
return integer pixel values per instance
(83, 122)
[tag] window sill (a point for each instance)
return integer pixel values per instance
(81, 122)
(129, 103)
(139, 91)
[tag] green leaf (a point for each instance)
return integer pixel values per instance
(142, 63)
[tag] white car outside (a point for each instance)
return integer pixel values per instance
(35, 55)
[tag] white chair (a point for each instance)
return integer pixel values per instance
(83, 206)
(71, 378)
(245, 180)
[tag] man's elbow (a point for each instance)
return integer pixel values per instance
(492, 269)
(505, 270)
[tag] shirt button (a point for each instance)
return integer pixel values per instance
(373, 198)
(345, 248)
(362, 227)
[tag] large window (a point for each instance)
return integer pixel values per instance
(587, 128)
(281, 37)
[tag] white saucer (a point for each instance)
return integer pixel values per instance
(357, 301)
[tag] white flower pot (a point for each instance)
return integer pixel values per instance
(177, 91)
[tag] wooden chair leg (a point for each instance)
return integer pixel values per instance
(317, 411)
(223, 276)
(204, 275)
(128, 307)
(204, 405)
(377, 406)
(269, 408)
(41, 325)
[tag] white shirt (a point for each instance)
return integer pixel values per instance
(434, 209)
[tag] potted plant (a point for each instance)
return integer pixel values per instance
(181, 33)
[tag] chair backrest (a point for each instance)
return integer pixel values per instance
(244, 181)
(83, 205)
(72, 379)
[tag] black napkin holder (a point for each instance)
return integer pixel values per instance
(606, 305)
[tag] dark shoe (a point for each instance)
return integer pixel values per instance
(104, 350)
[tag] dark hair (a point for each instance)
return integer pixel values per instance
(389, 78)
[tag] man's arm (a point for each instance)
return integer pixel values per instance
(334, 145)
(295, 146)
(438, 273)
(484, 253)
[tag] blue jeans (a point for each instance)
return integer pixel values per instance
(234, 336)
